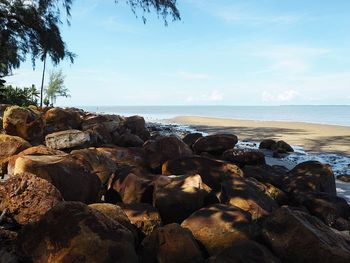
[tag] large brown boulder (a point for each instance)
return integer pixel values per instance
(243, 157)
(71, 177)
(100, 134)
(215, 144)
(219, 226)
(111, 122)
(191, 138)
(27, 197)
(133, 184)
(23, 122)
(277, 146)
(68, 139)
(143, 216)
(249, 195)
(246, 251)
(136, 125)
(266, 174)
(8, 248)
(9, 146)
(310, 176)
(58, 119)
(125, 156)
(99, 162)
(169, 244)
(73, 232)
(213, 172)
(128, 140)
(177, 197)
(165, 148)
(295, 236)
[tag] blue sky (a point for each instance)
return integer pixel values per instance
(222, 52)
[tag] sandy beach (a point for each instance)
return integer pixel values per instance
(312, 137)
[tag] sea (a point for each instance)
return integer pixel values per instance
(332, 115)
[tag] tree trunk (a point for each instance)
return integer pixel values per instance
(42, 83)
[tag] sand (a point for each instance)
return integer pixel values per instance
(312, 137)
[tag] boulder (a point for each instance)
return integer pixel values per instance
(169, 244)
(132, 184)
(215, 144)
(74, 232)
(71, 177)
(143, 216)
(243, 157)
(177, 197)
(125, 156)
(249, 195)
(310, 176)
(100, 135)
(213, 172)
(265, 174)
(191, 138)
(283, 147)
(246, 251)
(23, 122)
(8, 249)
(136, 125)
(68, 139)
(344, 178)
(268, 144)
(295, 236)
(58, 119)
(334, 211)
(27, 197)
(219, 226)
(99, 162)
(128, 140)
(9, 146)
(165, 148)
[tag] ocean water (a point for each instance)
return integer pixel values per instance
(336, 115)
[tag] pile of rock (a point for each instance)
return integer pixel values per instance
(82, 187)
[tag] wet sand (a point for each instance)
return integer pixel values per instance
(312, 137)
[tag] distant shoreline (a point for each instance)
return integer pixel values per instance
(313, 137)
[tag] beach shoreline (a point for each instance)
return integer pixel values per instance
(312, 137)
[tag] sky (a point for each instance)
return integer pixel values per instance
(222, 52)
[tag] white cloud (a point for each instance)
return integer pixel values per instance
(194, 75)
(215, 95)
(282, 97)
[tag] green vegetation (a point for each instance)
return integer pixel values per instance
(55, 88)
(19, 96)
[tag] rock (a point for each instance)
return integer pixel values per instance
(165, 148)
(213, 172)
(191, 138)
(71, 177)
(9, 146)
(295, 236)
(243, 157)
(132, 184)
(332, 210)
(68, 139)
(344, 178)
(265, 173)
(57, 119)
(8, 250)
(268, 144)
(128, 140)
(275, 193)
(116, 213)
(27, 197)
(283, 147)
(219, 226)
(249, 195)
(110, 122)
(310, 176)
(177, 197)
(169, 244)
(215, 144)
(73, 232)
(100, 135)
(99, 162)
(143, 216)
(246, 251)
(24, 123)
(125, 156)
(40, 150)
(137, 126)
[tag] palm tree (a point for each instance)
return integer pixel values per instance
(56, 87)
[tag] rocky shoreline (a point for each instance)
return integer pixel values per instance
(84, 187)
